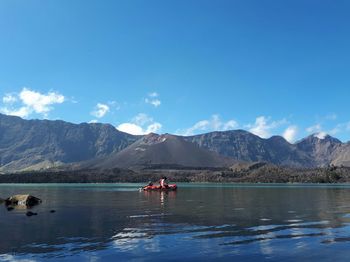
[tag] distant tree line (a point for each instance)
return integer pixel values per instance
(262, 173)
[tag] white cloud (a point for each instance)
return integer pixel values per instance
(318, 131)
(263, 126)
(141, 124)
(114, 105)
(153, 94)
(100, 110)
(134, 129)
(231, 124)
(152, 99)
(93, 121)
(339, 128)
(131, 129)
(153, 128)
(30, 102)
(9, 99)
(154, 102)
(212, 124)
(314, 128)
(290, 133)
(142, 119)
(321, 135)
(21, 112)
(38, 102)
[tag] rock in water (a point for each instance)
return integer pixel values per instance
(30, 213)
(22, 200)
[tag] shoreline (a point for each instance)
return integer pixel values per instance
(243, 184)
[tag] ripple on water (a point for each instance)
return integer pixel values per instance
(294, 220)
(265, 219)
(150, 215)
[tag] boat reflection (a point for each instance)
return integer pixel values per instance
(162, 196)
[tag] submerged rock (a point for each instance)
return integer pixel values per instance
(30, 213)
(22, 200)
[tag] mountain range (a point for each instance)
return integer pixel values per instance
(41, 144)
(37, 144)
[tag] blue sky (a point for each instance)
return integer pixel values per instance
(186, 67)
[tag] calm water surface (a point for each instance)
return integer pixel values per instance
(198, 222)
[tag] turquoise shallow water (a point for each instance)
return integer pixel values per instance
(199, 222)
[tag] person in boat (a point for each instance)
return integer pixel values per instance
(163, 183)
(146, 186)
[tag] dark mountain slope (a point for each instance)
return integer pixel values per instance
(165, 149)
(43, 143)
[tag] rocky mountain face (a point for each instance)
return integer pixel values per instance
(341, 156)
(320, 149)
(162, 150)
(311, 151)
(36, 144)
(244, 146)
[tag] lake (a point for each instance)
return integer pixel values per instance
(199, 222)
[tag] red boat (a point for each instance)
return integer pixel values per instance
(172, 187)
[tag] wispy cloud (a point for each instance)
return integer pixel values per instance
(318, 131)
(331, 116)
(153, 94)
(9, 98)
(142, 119)
(339, 128)
(315, 128)
(263, 126)
(28, 101)
(141, 124)
(348, 126)
(153, 99)
(100, 110)
(207, 125)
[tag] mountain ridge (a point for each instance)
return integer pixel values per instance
(24, 143)
(40, 144)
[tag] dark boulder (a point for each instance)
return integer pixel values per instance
(22, 200)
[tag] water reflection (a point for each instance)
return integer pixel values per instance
(212, 222)
(162, 196)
